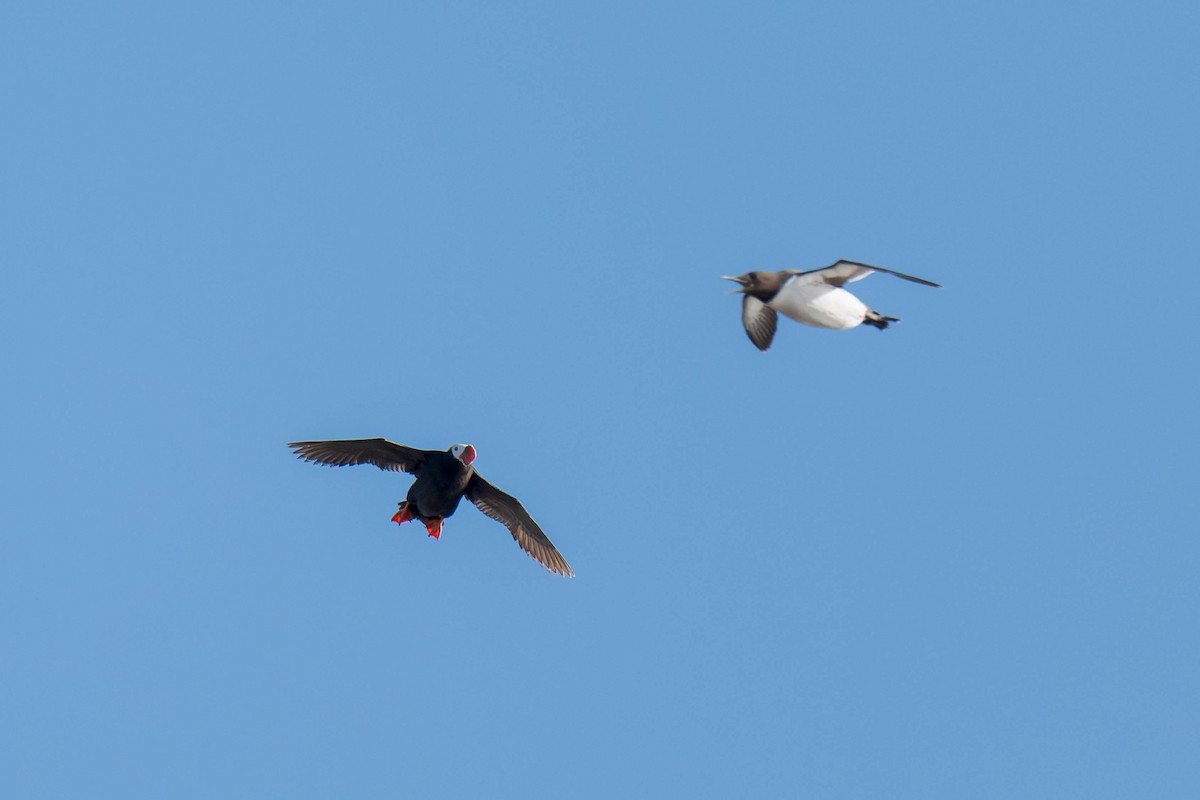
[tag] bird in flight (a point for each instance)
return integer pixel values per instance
(814, 297)
(444, 477)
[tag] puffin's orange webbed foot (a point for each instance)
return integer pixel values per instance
(435, 528)
(403, 515)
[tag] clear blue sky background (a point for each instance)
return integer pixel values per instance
(954, 559)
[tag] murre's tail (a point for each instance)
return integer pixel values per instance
(879, 320)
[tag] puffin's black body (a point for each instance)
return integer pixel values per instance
(441, 481)
(443, 478)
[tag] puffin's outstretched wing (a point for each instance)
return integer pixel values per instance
(760, 320)
(506, 509)
(344, 452)
(842, 272)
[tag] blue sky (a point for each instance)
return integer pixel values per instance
(954, 559)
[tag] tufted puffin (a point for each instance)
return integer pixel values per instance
(443, 478)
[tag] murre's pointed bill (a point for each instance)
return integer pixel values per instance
(814, 297)
(742, 279)
(444, 477)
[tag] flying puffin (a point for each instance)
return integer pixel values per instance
(814, 297)
(443, 478)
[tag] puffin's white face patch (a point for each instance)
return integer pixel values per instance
(464, 453)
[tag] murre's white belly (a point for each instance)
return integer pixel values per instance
(819, 305)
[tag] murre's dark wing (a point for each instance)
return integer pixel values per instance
(507, 510)
(842, 272)
(759, 320)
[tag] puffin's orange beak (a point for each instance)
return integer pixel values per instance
(469, 455)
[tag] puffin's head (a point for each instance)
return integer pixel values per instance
(464, 453)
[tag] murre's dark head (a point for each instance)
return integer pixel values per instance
(760, 283)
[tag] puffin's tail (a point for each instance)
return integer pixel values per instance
(879, 320)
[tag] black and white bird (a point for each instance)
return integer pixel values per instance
(444, 477)
(814, 297)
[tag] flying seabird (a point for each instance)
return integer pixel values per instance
(814, 297)
(443, 478)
